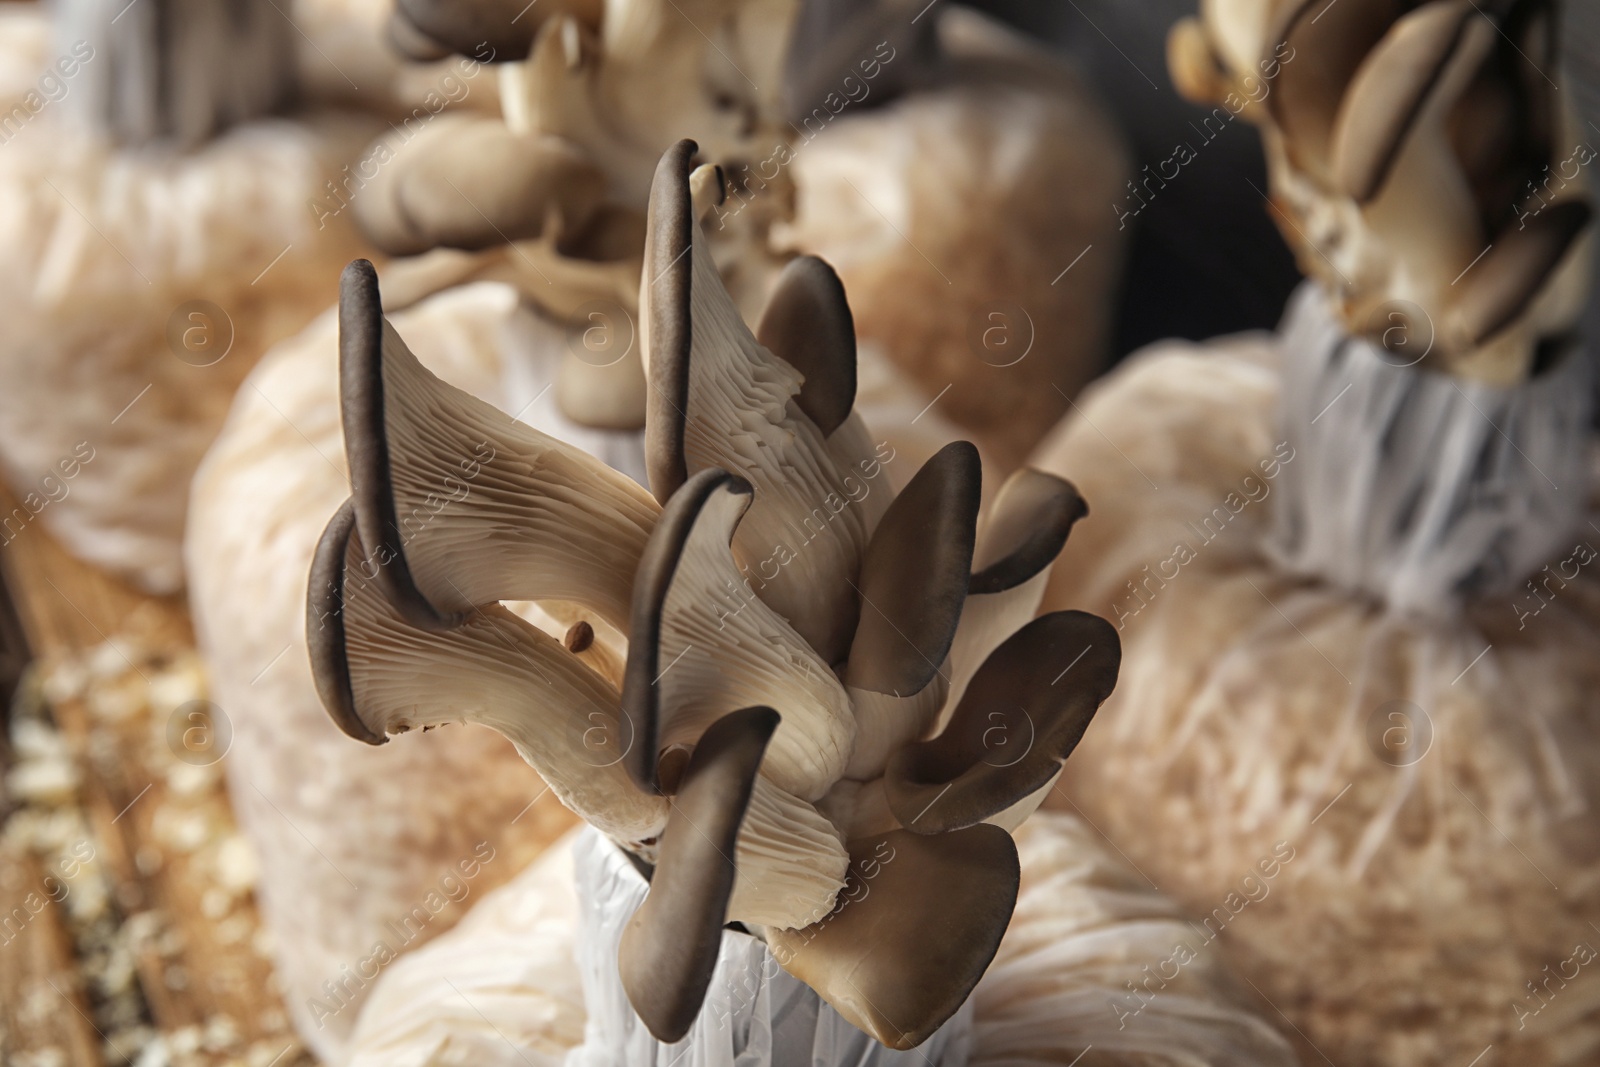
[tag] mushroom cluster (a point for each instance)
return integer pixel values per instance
(1350, 561)
(819, 113)
(1422, 165)
(780, 666)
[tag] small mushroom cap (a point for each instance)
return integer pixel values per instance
(916, 926)
(807, 324)
(1020, 718)
(1027, 527)
(669, 949)
(914, 575)
(1328, 43)
(508, 27)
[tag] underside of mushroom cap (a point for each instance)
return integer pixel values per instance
(669, 949)
(1020, 719)
(719, 399)
(702, 644)
(916, 926)
(464, 504)
(377, 675)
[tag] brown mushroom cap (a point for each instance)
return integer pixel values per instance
(915, 573)
(1512, 273)
(641, 693)
(670, 946)
(664, 306)
(467, 181)
(1041, 688)
(916, 926)
(1328, 42)
(1027, 527)
(807, 324)
(325, 636)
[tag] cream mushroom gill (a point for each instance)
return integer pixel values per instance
(804, 754)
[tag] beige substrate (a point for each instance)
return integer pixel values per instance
(116, 380)
(1436, 782)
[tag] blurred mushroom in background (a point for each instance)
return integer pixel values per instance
(157, 240)
(1351, 562)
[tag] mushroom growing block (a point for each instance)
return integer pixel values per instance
(1351, 562)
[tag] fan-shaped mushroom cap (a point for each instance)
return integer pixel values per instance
(670, 947)
(463, 504)
(1024, 532)
(917, 924)
(913, 586)
(807, 324)
(703, 644)
(967, 774)
(1389, 90)
(377, 675)
(466, 181)
(719, 399)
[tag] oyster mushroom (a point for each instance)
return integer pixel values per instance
(1348, 572)
(730, 716)
(748, 80)
(1411, 148)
